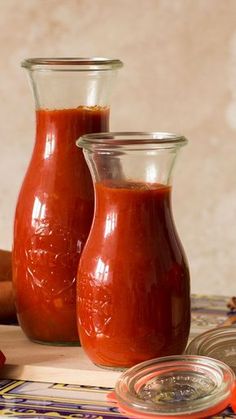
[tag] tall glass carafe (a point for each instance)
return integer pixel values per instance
(133, 289)
(55, 204)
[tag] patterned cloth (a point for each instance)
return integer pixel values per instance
(231, 313)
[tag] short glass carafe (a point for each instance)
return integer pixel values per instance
(133, 288)
(55, 205)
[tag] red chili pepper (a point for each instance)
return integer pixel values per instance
(2, 359)
(233, 400)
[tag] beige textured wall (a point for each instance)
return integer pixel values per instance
(179, 75)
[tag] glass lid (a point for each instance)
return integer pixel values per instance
(217, 343)
(182, 386)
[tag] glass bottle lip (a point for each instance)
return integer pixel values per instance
(219, 343)
(175, 386)
(72, 63)
(131, 140)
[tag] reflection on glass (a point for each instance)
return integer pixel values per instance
(152, 174)
(38, 212)
(110, 223)
(50, 145)
(102, 270)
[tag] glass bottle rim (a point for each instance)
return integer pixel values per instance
(131, 140)
(197, 385)
(71, 63)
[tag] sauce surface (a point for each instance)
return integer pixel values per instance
(133, 281)
(52, 222)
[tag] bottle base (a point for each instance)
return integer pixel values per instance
(111, 368)
(46, 343)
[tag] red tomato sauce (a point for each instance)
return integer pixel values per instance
(133, 280)
(53, 219)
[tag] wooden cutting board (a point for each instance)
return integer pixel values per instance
(30, 361)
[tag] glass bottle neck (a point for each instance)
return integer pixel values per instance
(66, 83)
(69, 90)
(144, 160)
(137, 170)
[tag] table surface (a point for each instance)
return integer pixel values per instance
(30, 399)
